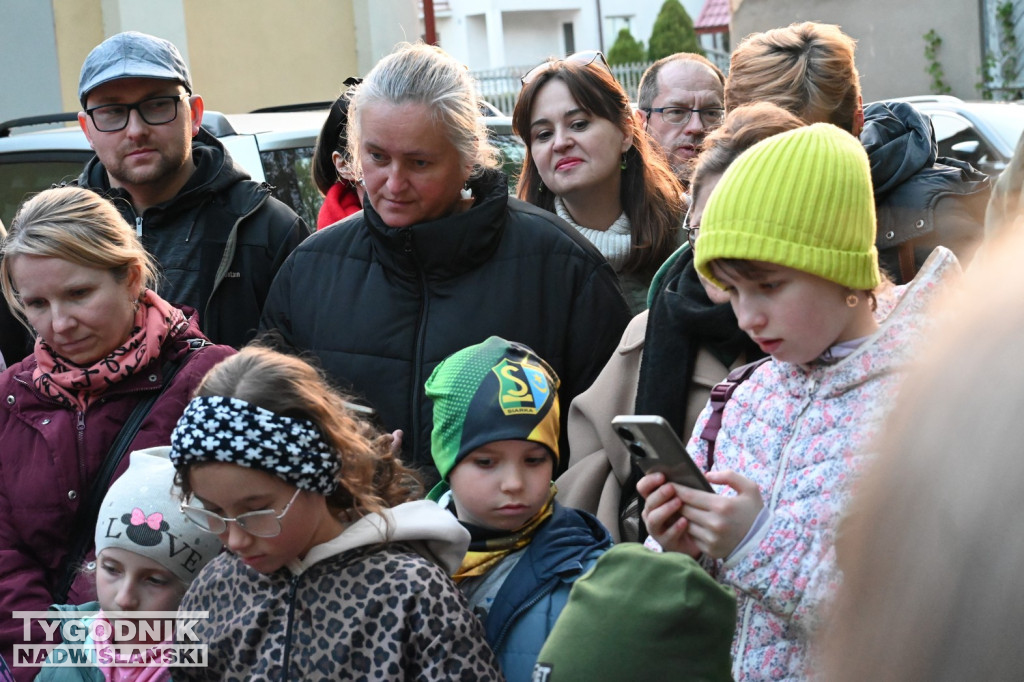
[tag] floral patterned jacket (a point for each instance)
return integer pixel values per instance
(802, 435)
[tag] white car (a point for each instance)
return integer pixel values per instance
(982, 133)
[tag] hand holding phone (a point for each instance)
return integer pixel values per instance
(655, 447)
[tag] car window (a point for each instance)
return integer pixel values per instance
(1007, 120)
(25, 174)
(288, 172)
(953, 129)
(513, 153)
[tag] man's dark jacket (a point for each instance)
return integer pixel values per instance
(15, 341)
(921, 199)
(245, 234)
(380, 307)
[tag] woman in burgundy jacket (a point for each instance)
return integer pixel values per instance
(74, 271)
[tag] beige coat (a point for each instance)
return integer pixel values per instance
(599, 463)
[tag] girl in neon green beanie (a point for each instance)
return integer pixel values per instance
(789, 234)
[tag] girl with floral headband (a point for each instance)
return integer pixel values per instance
(332, 571)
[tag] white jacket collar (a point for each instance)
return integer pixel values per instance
(432, 531)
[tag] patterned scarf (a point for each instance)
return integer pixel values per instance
(76, 387)
(487, 552)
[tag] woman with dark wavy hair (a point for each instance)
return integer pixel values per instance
(589, 161)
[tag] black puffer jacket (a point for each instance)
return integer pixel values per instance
(15, 341)
(920, 198)
(245, 234)
(381, 307)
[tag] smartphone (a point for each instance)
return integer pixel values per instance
(655, 447)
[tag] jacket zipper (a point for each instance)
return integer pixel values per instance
(138, 226)
(540, 594)
(421, 333)
(518, 612)
(230, 248)
(286, 661)
(80, 435)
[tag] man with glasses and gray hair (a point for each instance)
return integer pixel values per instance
(680, 101)
(219, 236)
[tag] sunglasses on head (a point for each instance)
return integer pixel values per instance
(584, 58)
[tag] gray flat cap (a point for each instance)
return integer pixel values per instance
(132, 55)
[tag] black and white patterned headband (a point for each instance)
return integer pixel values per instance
(221, 429)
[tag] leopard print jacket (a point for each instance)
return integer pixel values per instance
(374, 612)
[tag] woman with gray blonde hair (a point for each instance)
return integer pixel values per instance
(440, 257)
(106, 344)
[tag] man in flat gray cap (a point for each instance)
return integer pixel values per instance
(219, 237)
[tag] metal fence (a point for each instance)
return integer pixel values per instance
(501, 86)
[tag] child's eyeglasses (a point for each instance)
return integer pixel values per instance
(584, 58)
(263, 524)
(693, 231)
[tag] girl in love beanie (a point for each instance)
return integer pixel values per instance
(801, 199)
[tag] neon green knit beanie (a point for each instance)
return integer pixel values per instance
(801, 199)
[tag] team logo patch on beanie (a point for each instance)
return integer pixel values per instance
(522, 388)
(492, 391)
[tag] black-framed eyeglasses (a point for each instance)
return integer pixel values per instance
(680, 116)
(692, 231)
(109, 118)
(265, 523)
(582, 58)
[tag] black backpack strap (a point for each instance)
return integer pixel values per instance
(720, 395)
(84, 524)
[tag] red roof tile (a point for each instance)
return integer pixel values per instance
(713, 17)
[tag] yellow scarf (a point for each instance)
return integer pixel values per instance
(485, 554)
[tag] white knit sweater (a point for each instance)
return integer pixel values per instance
(613, 243)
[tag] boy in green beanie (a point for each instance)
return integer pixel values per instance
(495, 444)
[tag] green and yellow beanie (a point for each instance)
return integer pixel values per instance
(495, 390)
(642, 615)
(801, 199)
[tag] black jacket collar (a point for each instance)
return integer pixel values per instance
(449, 246)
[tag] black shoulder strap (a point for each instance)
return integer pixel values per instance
(720, 395)
(84, 525)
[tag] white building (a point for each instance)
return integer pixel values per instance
(490, 34)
